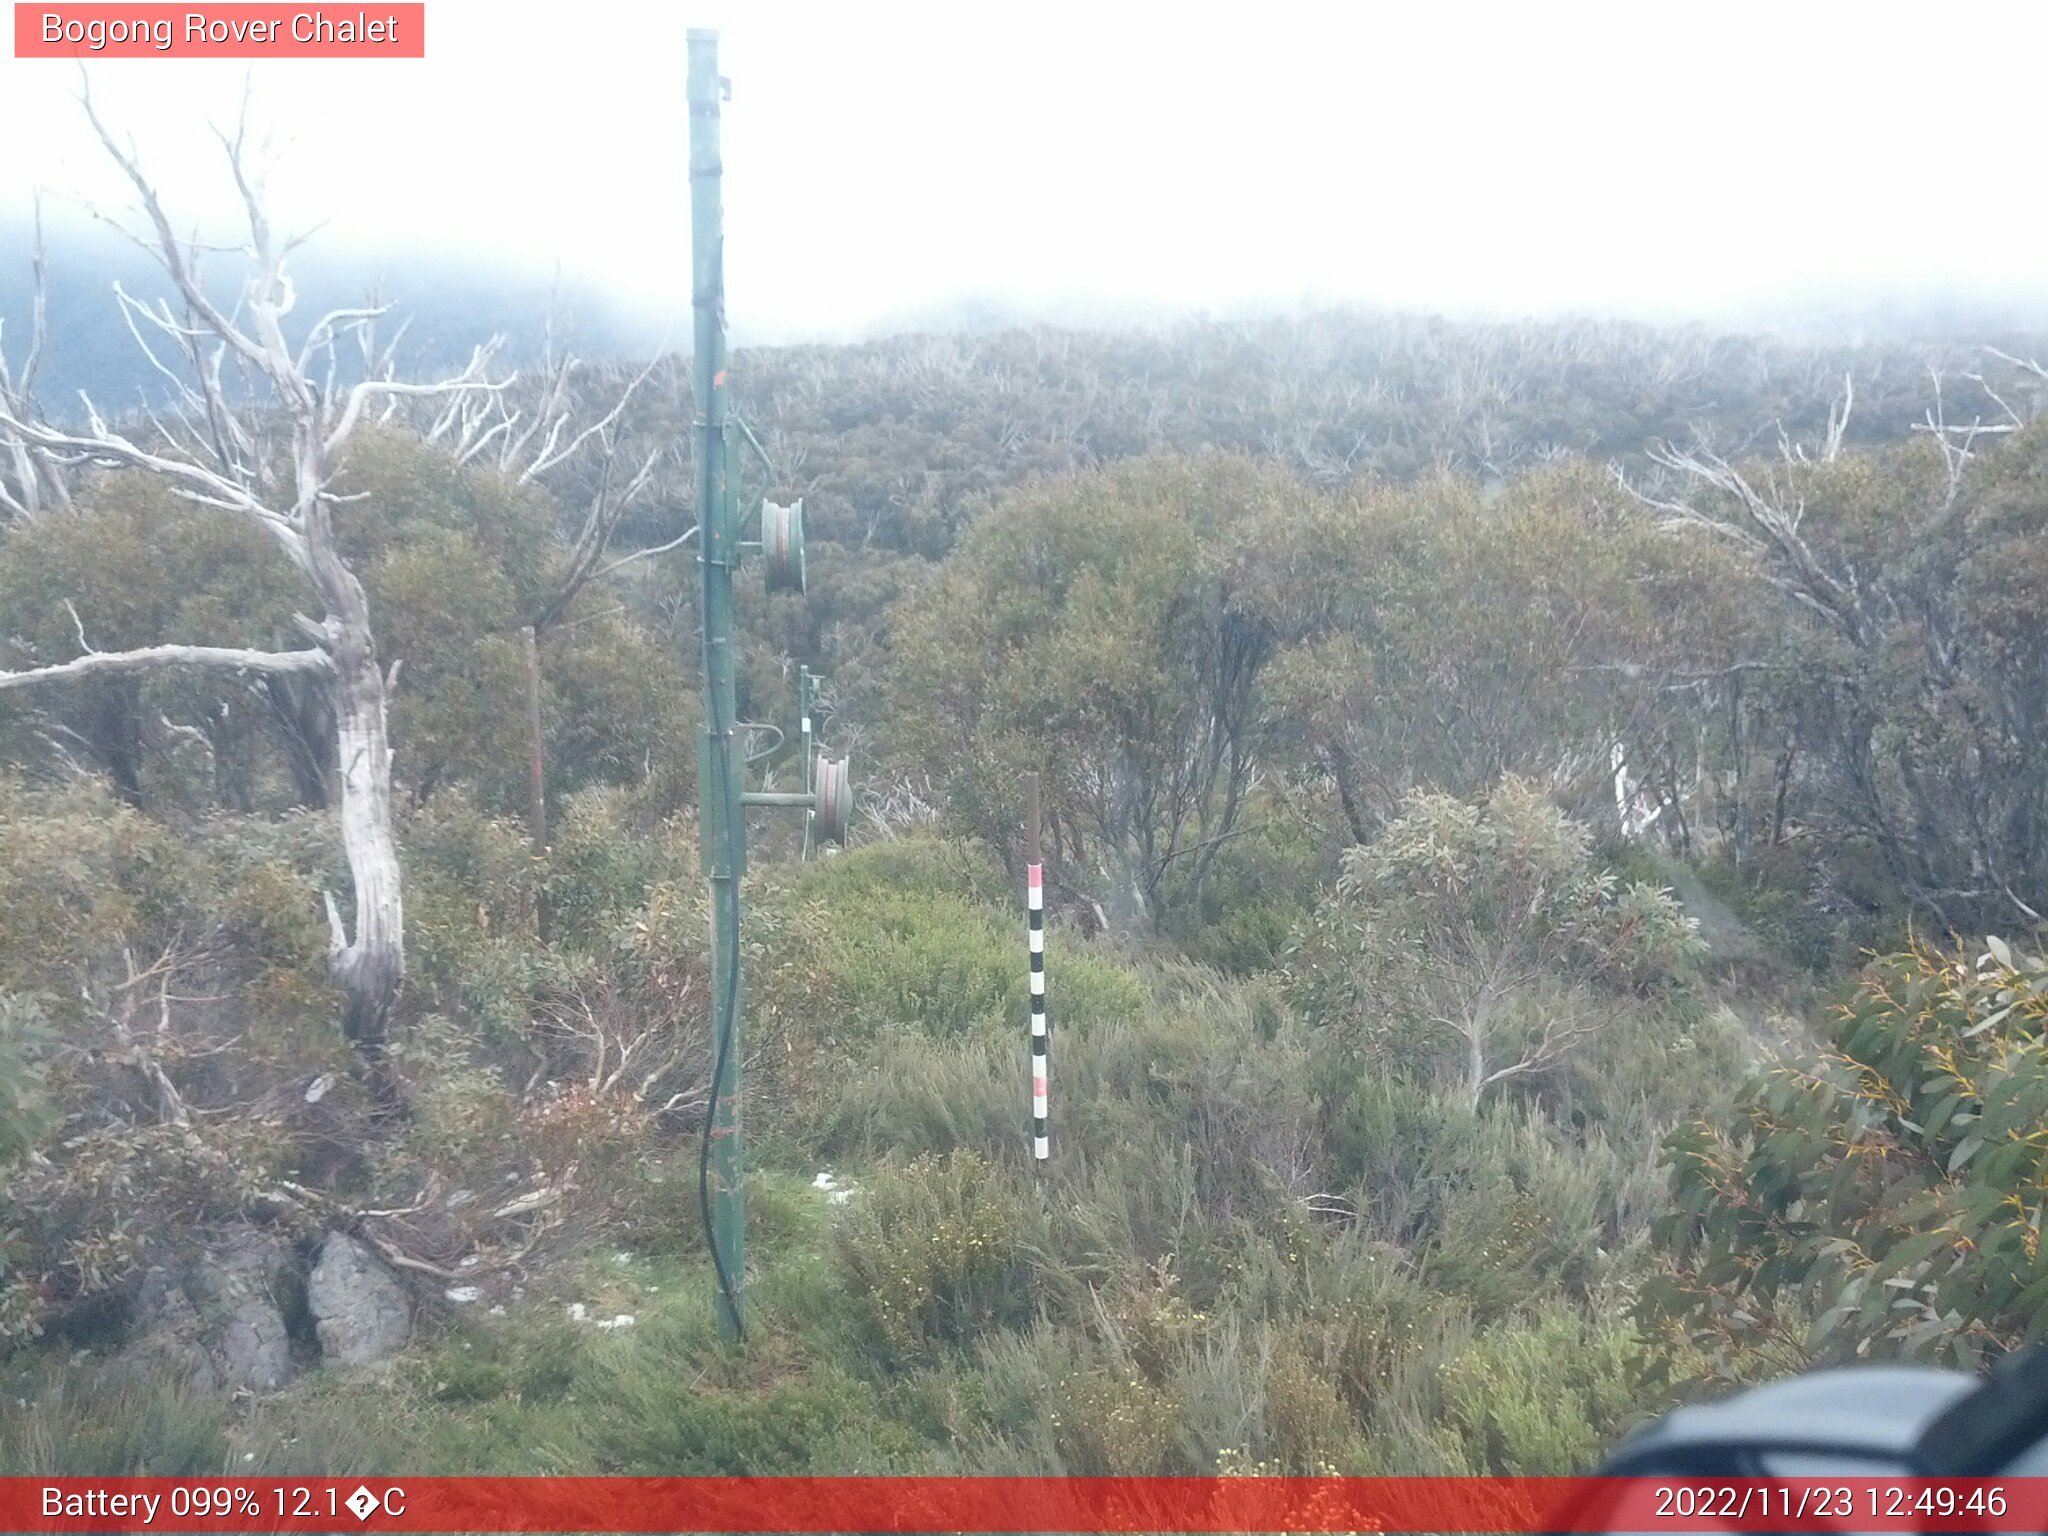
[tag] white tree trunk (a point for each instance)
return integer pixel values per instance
(370, 967)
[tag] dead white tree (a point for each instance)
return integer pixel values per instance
(1957, 440)
(270, 455)
(28, 484)
(532, 441)
(1936, 838)
(1765, 521)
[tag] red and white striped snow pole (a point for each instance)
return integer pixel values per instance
(1034, 903)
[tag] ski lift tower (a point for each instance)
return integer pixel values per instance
(722, 795)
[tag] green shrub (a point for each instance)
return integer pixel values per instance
(1475, 942)
(905, 1094)
(924, 933)
(670, 1400)
(25, 1110)
(936, 963)
(607, 860)
(1547, 1398)
(1309, 1429)
(783, 1429)
(1093, 990)
(935, 1248)
(1369, 1321)
(1891, 1190)
(1531, 1224)
(1497, 1205)
(471, 881)
(461, 1112)
(1111, 1422)
(910, 866)
(25, 1115)
(1259, 891)
(1149, 1321)
(83, 877)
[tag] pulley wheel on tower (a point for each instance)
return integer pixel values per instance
(782, 545)
(835, 800)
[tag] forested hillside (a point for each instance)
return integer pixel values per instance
(1535, 814)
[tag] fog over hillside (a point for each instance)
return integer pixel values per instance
(450, 303)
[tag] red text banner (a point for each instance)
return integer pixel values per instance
(242, 31)
(1020, 1504)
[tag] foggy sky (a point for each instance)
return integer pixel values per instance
(885, 160)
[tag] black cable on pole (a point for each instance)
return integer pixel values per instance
(730, 894)
(725, 1028)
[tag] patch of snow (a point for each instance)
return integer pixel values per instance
(613, 1324)
(578, 1312)
(464, 1293)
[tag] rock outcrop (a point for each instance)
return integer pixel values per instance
(217, 1318)
(359, 1308)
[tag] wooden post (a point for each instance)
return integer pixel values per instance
(537, 781)
(1032, 851)
(1739, 827)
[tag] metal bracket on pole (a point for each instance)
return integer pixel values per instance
(826, 796)
(803, 718)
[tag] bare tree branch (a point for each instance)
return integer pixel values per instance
(33, 481)
(149, 657)
(1769, 528)
(646, 554)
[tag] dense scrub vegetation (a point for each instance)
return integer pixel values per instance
(1889, 1189)
(1465, 868)
(1249, 1251)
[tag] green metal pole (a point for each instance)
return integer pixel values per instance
(721, 823)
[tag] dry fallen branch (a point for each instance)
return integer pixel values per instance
(384, 1228)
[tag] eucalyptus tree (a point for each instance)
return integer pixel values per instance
(1094, 628)
(256, 425)
(1909, 583)
(1479, 940)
